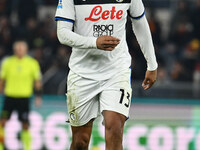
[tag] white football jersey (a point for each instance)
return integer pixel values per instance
(94, 18)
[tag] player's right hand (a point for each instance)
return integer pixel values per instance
(150, 79)
(107, 43)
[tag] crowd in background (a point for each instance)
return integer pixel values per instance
(178, 53)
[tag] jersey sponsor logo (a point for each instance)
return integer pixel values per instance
(60, 4)
(100, 30)
(97, 13)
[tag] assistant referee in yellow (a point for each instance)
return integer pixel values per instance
(19, 75)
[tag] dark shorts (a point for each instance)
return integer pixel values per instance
(20, 105)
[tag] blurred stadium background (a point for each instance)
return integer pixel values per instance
(167, 117)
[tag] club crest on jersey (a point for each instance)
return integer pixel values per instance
(60, 4)
(119, 1)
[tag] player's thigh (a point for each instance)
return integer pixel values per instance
(116, 96)
(82, 133)
(82, 99)
(8, 107)
(114, 121)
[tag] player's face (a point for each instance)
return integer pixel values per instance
(20, 49)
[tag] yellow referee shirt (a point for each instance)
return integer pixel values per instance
(19, 76)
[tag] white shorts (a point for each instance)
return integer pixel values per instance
(87, 99)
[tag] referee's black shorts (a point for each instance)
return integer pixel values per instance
(20, 105)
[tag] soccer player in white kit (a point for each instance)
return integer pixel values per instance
(99, 78)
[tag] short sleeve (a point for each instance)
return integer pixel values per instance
(65, 11)
(136, 10)
(3, 72)
(36, 71)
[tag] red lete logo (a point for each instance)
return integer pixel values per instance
(97, 14)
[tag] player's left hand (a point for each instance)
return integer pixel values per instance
(38, 101)
(150, 79)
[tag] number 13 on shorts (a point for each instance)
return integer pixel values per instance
(125, 98)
